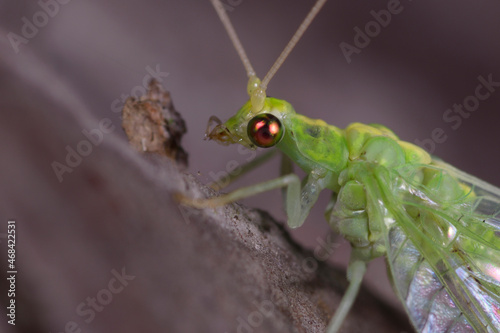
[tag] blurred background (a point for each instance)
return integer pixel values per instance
(425, 60)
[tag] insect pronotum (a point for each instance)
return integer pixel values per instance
(438, 227)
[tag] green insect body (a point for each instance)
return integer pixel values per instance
(438, 227)
(384, 187)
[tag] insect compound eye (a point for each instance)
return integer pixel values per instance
(265, 130)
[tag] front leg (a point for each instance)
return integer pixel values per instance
(299, 200)
(222, 182)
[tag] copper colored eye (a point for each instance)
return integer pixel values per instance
(265, 130)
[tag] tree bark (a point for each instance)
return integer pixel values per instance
(103, 247)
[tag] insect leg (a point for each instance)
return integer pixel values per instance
(355, 273)
(286, 167)
(298, 200)
(231, 177)
(291, 181)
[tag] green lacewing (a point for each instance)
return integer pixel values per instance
(438, 227)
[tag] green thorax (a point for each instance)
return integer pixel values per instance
(313, 144)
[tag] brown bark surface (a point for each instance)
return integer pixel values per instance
(104, 248)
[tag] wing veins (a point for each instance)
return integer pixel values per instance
(422, 242)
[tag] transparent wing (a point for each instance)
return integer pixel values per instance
(443, 247)
(488, 196)
(427, 301)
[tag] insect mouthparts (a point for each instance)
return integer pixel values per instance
(220, 133)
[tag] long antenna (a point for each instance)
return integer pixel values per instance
(233, 36)
(291, 44)
(255, 88)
